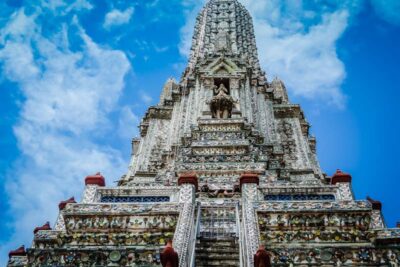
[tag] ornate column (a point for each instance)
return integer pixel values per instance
(187, 196)
(92, 182)
(207, 87)
(377, 221)
(235, 87)
(248, 185)
(343, 181)
(60, 223)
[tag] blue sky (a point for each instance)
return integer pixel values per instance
(76, 77)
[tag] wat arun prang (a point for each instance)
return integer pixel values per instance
(224, 164)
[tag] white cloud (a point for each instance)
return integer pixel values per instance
(160, 49)
(303, 56)
(389, 10)
(69, 96)
(191, 10)
(63, 7)
(147, 99)
(117, 17)
(306, 61)
(128, 123)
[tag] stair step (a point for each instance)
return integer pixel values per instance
(215, 256)
(206, 246)
(217, 263)
(217, 244)
(219, 250)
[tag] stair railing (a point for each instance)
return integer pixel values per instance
(193, 237)
(239, 235)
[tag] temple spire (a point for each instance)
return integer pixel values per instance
(224, 26)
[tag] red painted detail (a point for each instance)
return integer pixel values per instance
(188, 178)
(18, 252)
(169, 257)
(64, 203)
(376, 205)
(46, 226)
(262, 258)
(249, 178)
(398, 225)
(96, 179)
(340, 177)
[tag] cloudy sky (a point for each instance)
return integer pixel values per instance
(76, 77)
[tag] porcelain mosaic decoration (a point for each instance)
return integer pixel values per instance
(224, 164)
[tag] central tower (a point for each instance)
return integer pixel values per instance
(223, 118)
(224, 163)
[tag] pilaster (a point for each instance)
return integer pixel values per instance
(343, 181)
(186, 218)
(92, 182)
(249, 184)
(377, 221)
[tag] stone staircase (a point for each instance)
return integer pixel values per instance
(217, 252)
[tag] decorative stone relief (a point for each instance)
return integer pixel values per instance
(377, 220)
(345, 191)
(116, 208)
(185, 222)
(106, 257)
(60, 224)
(121, 223)
(249, 195)
(315, 227)
(336, 256)
(226, 166)
(317, 205)
(89, 195)
(288, 142)
(219, 151)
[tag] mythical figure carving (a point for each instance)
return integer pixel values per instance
(222, 103)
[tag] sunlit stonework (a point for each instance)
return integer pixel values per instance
(224, 164)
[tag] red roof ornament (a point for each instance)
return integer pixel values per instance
(188, 178)
(18, 252)
(46, 226)
(249, 178)
(169, 257)
(64, 203)
(340, 177)
(376, 205)
(96, 179)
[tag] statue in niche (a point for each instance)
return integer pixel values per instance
(221, 90)
(222, 103)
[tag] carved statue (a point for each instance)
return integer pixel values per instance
(222, 103)
(221, 90)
